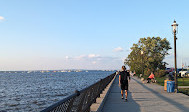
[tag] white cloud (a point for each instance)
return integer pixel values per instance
(80, 57)
(2, 18)
(91, 60)
(118, 49)
(84, 57)
(93, 55)
(66, 62)
(129, 50)
(67, 57)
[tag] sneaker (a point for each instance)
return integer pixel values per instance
(122, 97)
(125, 99)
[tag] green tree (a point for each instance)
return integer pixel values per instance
(154, 51)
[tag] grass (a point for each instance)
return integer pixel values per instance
(181, 81)
(160, 80)
(184, 90)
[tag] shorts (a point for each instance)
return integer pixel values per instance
(124, 85)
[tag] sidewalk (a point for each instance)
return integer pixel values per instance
(145, 98)
(183, 86)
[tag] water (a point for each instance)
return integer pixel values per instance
(35, 91)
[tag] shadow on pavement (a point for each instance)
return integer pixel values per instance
(176, 104)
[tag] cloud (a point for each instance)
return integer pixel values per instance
(80, 57)
(118, 49)
(129, 50)
(93, 58)
(2, 18)
(87, 61)
(67, 57)
(84, 57)
(93, 55)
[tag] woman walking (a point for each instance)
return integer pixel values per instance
(124, 77)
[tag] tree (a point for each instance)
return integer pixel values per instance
(155, 49)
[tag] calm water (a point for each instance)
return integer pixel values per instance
(35, 91)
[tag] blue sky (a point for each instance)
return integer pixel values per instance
(85, 34)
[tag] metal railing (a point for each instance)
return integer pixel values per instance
(81, 101)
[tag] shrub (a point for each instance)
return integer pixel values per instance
(160, 73)
(147, 72)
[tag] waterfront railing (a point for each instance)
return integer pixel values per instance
(81, 100)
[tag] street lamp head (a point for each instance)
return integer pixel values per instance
(175, 27)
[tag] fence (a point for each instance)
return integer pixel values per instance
(81, 101)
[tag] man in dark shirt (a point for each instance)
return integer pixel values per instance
(124, 76)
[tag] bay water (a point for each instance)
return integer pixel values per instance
(34, 91)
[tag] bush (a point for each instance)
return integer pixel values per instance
(147, 72)
(160, 73)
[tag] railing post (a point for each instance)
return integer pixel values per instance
(88, 110)
(71, 102)
(80, 106)
(70, 105)
(77, 92)
(90, 95)
(99, 88)
(95, 93)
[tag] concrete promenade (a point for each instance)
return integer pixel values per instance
(145, 98)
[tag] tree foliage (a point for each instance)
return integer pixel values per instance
(154, 51)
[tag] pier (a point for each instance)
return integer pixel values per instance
(144, 97)
(104, 96)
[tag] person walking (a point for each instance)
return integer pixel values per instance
(124, 78)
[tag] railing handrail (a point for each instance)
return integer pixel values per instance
(82, 91)
(59, 102)
(68, 97)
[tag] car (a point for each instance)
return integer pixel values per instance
(179, 69)
(184, 73)
(168, 70)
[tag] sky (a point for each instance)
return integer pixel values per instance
(86, 34)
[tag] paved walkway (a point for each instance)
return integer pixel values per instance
(183, 86)
(145, 98)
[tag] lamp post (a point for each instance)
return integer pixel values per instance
(175, 30)
(142, 52)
